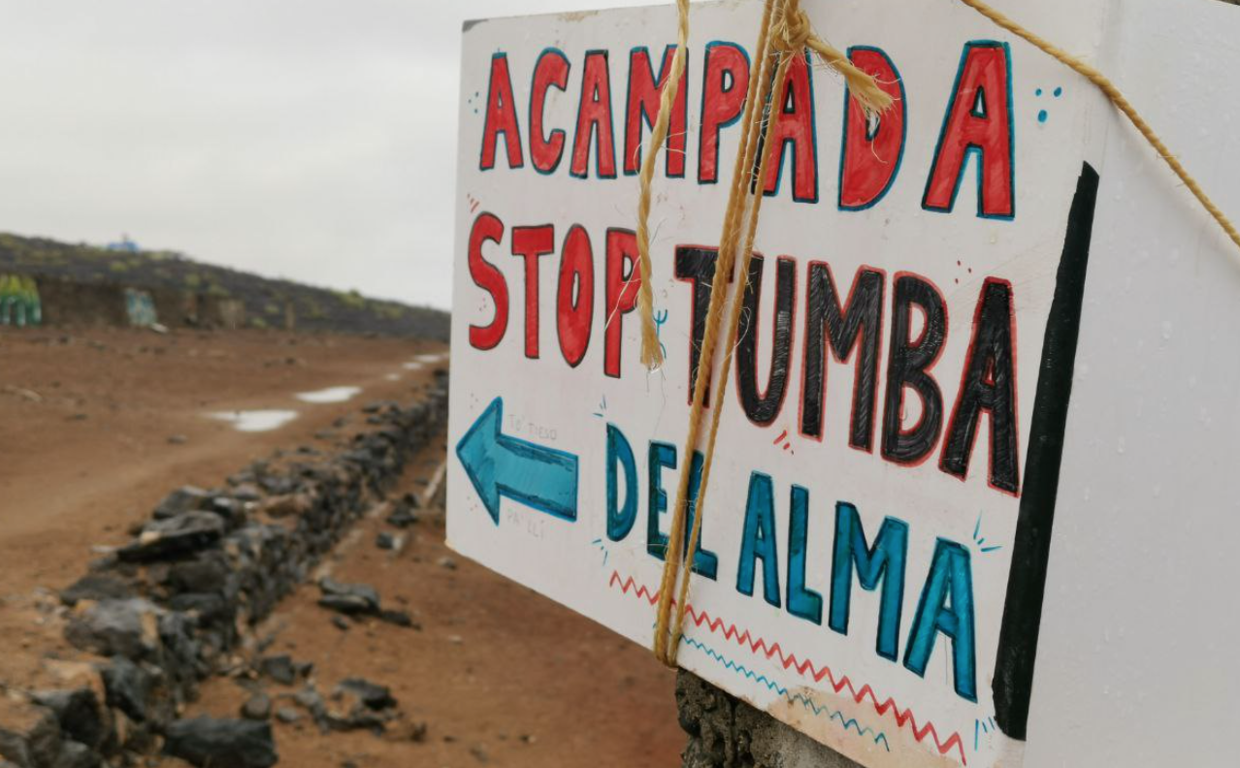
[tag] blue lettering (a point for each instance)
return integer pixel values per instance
(802, 602)
(885, 562)
(950, 578)
(620, 519)
(758, 540)
(663, 455)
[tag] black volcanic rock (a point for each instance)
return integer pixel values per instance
(209, 743)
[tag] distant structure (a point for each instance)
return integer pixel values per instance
(20, 304)
(124, 245)
(140, 308)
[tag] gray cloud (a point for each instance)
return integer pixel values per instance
(308, 139)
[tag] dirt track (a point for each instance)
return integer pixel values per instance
(498, 673)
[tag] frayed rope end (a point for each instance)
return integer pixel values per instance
(652, 350)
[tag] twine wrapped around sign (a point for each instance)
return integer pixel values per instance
(785, 33)
(1121, 103)
(791, 32)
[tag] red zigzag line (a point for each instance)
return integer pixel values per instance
(805, 668)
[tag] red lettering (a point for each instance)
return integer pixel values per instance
(979, 119)
(594, 115)
(501, 117)
(575, 300)
(530, 243)
(488, 228)
(643, 107)
(551, 71)
(873, 146)
(794, 124)
(623, 281)
(724, 87)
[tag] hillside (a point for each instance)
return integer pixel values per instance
(317, 309)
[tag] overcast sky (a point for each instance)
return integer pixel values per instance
(288, 137)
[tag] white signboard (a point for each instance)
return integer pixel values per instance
(875, 551)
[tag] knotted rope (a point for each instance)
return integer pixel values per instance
(785, 33)
(794, 33)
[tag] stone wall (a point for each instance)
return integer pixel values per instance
(174, 308)
(70, 303)
(725, 732)
(67, 302)
(178, 603)
(220, 312)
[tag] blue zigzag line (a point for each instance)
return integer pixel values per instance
(805, 701)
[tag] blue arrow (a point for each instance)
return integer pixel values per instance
(532, 474)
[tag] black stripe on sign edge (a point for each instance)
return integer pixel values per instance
(1026, 587)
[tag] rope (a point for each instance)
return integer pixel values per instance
(785, 33)
(652, 352)
(664, 649)
(795, 33)
(1113, 93)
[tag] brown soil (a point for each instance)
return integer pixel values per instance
(499, 674)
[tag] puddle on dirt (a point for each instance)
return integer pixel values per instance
(420, 361)
(255, 421)
(329, 395)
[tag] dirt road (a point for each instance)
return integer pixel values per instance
(98, 425)
(86, 421)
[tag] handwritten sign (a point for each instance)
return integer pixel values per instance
(875, 552)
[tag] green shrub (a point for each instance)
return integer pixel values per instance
(351, 299)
